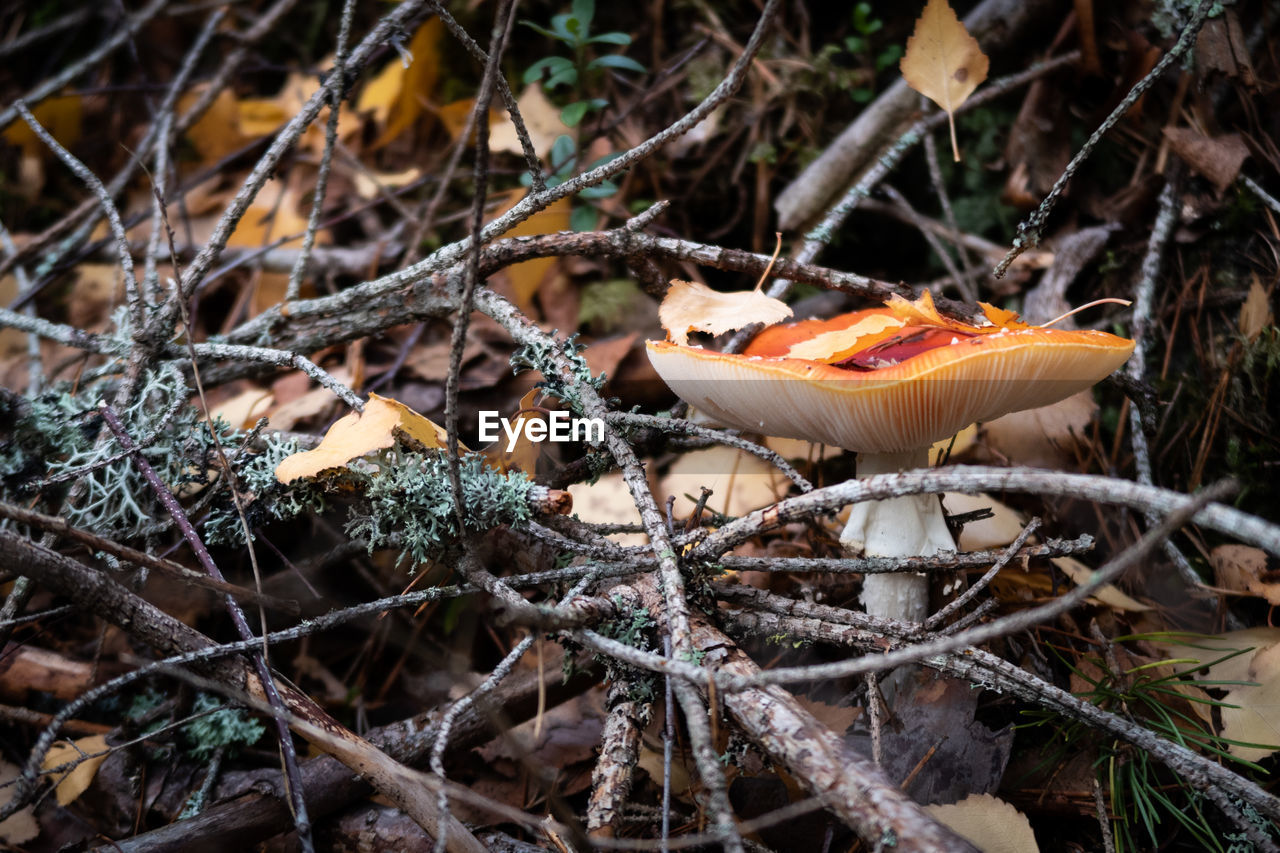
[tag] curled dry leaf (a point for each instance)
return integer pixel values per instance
(384, 420)
(1243, 569)
(943, 62)
(988, 823)
(75, 781)
(690, 306)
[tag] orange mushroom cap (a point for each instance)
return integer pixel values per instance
(900, 388)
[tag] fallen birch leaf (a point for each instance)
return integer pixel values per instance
(75, 781)
(1109, 595)
(943, 62)
(383, 422)
(690, 306)
(988, 823)
(1004, 526)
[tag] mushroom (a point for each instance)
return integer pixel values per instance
(886, 383)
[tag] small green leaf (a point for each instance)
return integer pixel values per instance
(583, 218)
(604, 189)
(611, 38)
(546, 32)
(573, 113)
(552, 64)
(622, 63)
(564, 152)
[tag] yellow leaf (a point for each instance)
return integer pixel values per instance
(527, 276)
(988, 823)
(842, 343)
(217, 133)
(74, 781)
(384, 420)
(417, 83)
(60, 116)
(275, 215)
(943, 62)
(689, 306)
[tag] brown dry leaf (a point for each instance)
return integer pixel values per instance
(243, 410)
(605, 356)
(20, 827)
(943, 62)
(1242, 568)
(740, 482)
(431, 362)
(398, 95)
(1255, 313)
(541, 119)
(690, 306)
(384, 420)
(217, 133)
(988, 823)
(75, 781)
(1043, 437)
(608, 501)
(99, 288)
(526, 277)
(1107, 594)
(1217, 158)
(12, 341)
(524, 455)
(275, 215)
(1004, 526)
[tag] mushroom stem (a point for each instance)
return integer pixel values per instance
(908, 526)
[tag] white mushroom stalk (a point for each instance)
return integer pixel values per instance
(909, 526)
